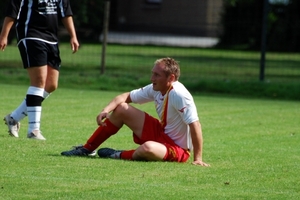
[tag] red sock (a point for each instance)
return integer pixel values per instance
(127, 155)
(101, 134)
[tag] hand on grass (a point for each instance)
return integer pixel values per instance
(201, 163)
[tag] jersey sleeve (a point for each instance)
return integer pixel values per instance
(65, 9)
(12, 8)
(142, 95)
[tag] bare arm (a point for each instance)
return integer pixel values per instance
(122, 98)
(69, 25)
(197, 140)
(7, 24)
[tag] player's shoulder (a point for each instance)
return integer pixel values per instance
(179, 88)
(179, 92)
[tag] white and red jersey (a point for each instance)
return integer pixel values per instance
(179, 110)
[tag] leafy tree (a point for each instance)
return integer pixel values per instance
(242, 25)
(88, 18)
(241, 21)
(284, 30)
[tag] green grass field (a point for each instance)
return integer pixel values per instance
(210, 71)
(251, 144)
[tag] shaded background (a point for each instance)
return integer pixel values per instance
(219, 25)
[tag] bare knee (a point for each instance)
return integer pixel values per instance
(144, 152)
(51, 88)
(51, 80)
(121, 109)
(119, 115)
(151, 151)
(148, 148)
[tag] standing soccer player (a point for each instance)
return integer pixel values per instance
(36, 23)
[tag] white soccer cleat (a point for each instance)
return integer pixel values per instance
(36, 134)
(13, 125)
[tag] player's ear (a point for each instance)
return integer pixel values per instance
(171, 77)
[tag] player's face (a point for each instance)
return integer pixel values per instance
(159, 79)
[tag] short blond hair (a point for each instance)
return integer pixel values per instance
(171, 66)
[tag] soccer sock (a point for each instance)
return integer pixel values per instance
(21, 112)
(127, 155)
(46, 95)
(101, 134)
(34, 100)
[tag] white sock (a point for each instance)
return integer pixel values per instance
(34, 112)
(34, 118)
(46, 94)
(21, 112)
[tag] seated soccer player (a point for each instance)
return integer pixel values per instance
(172, 137)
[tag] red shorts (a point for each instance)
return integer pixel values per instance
(153, 131)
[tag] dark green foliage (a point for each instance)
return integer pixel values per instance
(88, 18)
(242, 25)
(241, 21)
(284, 30)
(250, 89)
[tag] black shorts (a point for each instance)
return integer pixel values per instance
(35, 53)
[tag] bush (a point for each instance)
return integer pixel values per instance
(242, 25)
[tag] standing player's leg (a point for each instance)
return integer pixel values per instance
(51, 81)
(33, 53)
(51, 85)
(34, 99)
(13, 120)
(43, 82)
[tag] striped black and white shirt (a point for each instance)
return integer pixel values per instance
(38, 19)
